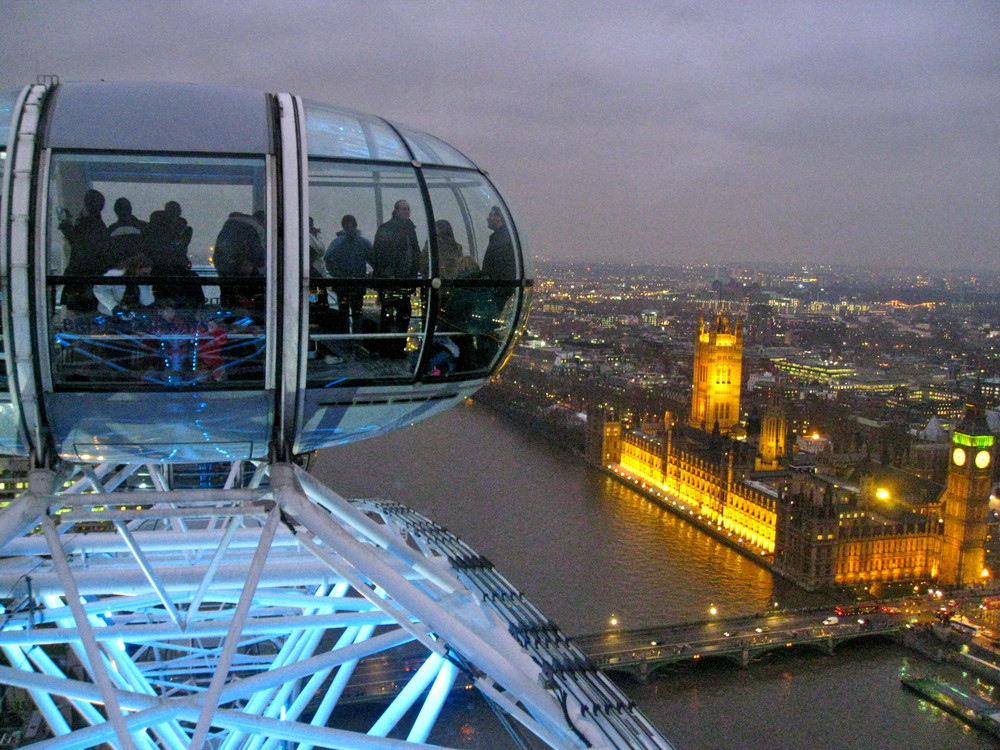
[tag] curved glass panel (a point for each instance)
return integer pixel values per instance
(174, 298)
(170, 426)
(430, 150)
(342, 133)
(8, 98)
(477, 217)
(478, 262)
(10, 432)
(368, 280)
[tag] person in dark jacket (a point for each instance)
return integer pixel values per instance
(239, 252)
(346, 258)
(396, 255)
(88, 252)
(180, 233)
(498, 260)
(125, 234)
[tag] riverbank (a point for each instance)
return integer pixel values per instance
(581, 547)
(559, 426)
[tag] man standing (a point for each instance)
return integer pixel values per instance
(239, 252)
(346, 259)
(395, 255)
(498, 260)
(125, 235)
(88, 251)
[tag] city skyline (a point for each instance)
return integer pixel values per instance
(659, 133)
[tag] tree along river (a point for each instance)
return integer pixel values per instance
(582, 547)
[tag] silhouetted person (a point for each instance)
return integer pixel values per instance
(319, 302)
(239, 252)
(158, 242)
(449, 250)
(396, 255)
(125, 234)
(88, 252)
(183, 290)
(316, 250)
(498, 260)
(180, 232)
(167, 238)
(346, 259)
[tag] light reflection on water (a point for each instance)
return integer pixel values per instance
(581, 545)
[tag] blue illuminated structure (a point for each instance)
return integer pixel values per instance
(172, 577)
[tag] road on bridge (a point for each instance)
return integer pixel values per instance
(728, 634)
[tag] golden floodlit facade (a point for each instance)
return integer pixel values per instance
(880, 526)
(816, 530)
(718, 369)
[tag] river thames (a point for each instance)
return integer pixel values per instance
(582, 547)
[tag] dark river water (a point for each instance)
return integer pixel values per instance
(582, 547)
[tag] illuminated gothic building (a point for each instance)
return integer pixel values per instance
(872, 525)
(771, 445)
(718, 368)
(883, 526)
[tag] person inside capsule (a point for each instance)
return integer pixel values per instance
(88, 239)
(395, 255)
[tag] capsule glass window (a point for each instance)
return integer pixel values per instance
(477, 271)
(8, 98)
(368, 292)
(156, 271)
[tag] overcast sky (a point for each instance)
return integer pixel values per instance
(723, 131)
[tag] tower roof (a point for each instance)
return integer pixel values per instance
(974, 422)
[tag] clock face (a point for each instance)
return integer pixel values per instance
(958, 456)
(982, 459)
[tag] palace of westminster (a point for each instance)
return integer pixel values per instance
(820, 527)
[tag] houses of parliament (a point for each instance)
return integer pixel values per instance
(821, 527)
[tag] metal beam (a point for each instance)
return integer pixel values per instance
(227, 629)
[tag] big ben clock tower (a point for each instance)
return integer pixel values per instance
(966, 500)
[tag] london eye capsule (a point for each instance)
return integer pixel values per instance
(193, 273)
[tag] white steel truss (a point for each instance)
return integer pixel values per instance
(252, 618)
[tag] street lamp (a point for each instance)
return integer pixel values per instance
(712, 610)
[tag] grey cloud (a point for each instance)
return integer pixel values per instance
(650, 131)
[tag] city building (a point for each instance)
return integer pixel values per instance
(718, 369)
(817, 529)
(966, 500)
(865, 524)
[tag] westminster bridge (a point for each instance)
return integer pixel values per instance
(640, 652)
